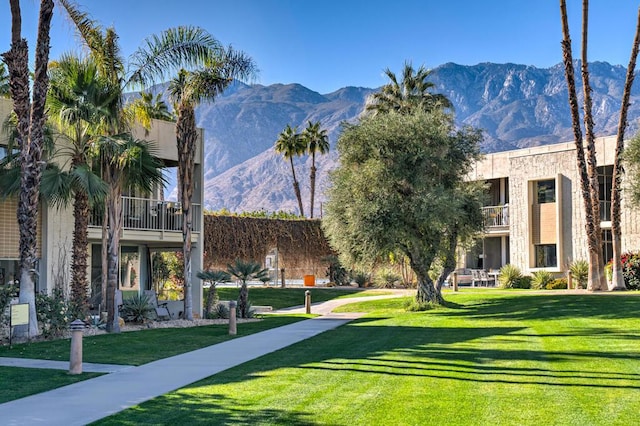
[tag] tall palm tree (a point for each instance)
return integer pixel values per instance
(246, 271)
(31, 116)
(4, 81)
(413, 91)
(148, 107)
(316, 140)
(200, 77)
(290, 144)
(126, 162)
(80, 103)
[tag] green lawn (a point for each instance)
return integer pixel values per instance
(507, 358)
(20, 382)
(280, 298)
(140, 347)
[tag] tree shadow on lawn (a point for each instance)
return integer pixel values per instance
(536, 306)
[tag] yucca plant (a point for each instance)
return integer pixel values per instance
(361, 278)
(509, 276)
(137, 309)
(541, 279)
(579, 270)
(245, 271)
(387, 279)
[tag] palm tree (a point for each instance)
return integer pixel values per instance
(4, 81)
(246, 271)
(290, 144)
(413, 91)
(126, 162)
(213, 278)
(79, 103)
(316, 140)
(200, 77)
(30, 113)
(148, 107)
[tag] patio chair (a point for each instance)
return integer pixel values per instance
(475, 277)
(486, 279)
(162, 312)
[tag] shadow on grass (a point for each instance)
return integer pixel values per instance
(535, 306)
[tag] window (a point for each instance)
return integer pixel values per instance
(546, 190)
(607, 245)
(546, 256)
(605, 175)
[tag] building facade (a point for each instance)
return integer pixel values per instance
(150, 224)
(535, 214)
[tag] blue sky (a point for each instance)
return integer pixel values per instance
(328, 44)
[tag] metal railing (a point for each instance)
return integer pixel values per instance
(495, 216)
(152, 215)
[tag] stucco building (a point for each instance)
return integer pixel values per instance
(150, 224)
(535, 214)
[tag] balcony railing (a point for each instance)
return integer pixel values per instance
(152, 215)
(495, 216)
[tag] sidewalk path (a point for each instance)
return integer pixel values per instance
(90, 400)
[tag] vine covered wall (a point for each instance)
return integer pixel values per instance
(301, 244)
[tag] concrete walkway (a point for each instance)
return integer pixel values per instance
(91, 400)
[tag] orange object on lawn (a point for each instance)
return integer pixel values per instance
(309, 280)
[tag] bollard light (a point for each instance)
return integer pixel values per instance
(75, 357)
(307, 301)
(232, 318)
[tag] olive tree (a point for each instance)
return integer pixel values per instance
(400, 187)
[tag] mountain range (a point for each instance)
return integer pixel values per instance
(517, 106)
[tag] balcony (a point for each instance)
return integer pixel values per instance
(495, 217)
(143, 214)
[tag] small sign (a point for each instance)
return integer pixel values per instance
(20, 314)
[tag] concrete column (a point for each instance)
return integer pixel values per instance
(307, 301)
(232, 318)
(75, 358)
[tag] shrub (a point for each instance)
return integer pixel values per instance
(540, 279)
(630, 270)
(509, 275)
(336, 272)
(361, 279)
(219, 311)
(387, 279)
(523, 282)
(7, 292)
(53, 314)
(579, 270)
(137, 309)
(558, 284)
(412, 305)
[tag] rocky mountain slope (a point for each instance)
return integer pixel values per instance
(516, 105)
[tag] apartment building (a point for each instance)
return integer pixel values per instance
(150, 224)
(535, 214)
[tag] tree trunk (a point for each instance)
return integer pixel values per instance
(449, 263)
(243, 300)
(312, 181)
(186, 134)
(31, 119)
(296, 187)
(617, 282)
(212, 299)
(114, 215)
(79, 282)
(427, 291)
(592, 223)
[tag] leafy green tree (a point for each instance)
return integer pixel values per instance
(316, 140)
(246, 271)
(404, 96)
(202, 73)
(400, 187)
(30, 113)
(213, 278)
(290, 144)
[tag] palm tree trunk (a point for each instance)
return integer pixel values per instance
(592, 223)
(243, 300)
(617, 282)
(79, 282)
(186, 135)
(312, 180)
(31, 119)
(114, 215)
(296, 187)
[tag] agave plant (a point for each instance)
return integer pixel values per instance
(579, 270)
(541, 278)
(509, 276)
(137, 309)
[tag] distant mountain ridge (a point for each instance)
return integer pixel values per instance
(517, 106)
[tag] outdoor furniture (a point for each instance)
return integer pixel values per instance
(475, 277)
(160, 308)
(486, 279)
